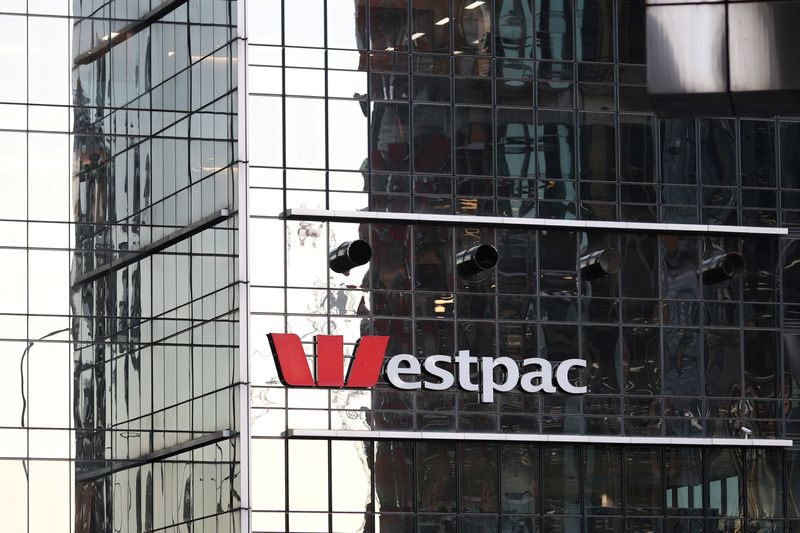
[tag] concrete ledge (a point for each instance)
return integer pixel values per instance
(328, 215)
(521, 437)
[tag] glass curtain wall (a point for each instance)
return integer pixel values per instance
(155, 293)
(36, 441)
(527, 109)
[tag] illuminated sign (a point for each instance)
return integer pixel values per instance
(406, 372)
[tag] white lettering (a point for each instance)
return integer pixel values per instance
(532, 375)
(562, 376)
(446, 378)
(544, 375)
(411, 368)
(464, 361)
(488, 365)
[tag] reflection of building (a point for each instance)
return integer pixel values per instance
(535, 112)
(400, 122)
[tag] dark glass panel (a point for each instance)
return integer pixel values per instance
(631, 42)
(641, 353)
(388, 25)
(389, 146)
(602, 480)
(432, 37)
(431, 88)
(597, 141)
(556, 142)
(434, 337)
(394, 476)
(765, 490)
(758, 153)
(595, 97)
(760, 280)
(724, 475)
(791, 365)
(434, 422)
(519, 478)
(643, 483)
(790, 155)
(605, 524)
(553, 27)
(436, 477)
(517, 340)
(513, 92)
(391, 250)
(640, 266)
(682, 362)
(478, 337)
(473, 138)
(478, 524)
(723, 363)
(680, 258)
(516, 143)
(433, 259)
(520, 524)
(718, 152)
(558, 342)
(514, 28)
(793, 481)
(478, 478)
(437, 524)
(516, 268)
(432, 139)
(473, 36)
(685, 525)
(558, 251)
(561, 463)
(517, 307)
(561, 524)
(400, 334)
(684, 478)
(637, 148)
(555, 94)
(761, 364)
(644, 525)
(602, 351)
(401, 523)
(595, 33)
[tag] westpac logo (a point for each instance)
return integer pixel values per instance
(293, 370)
(496, 374)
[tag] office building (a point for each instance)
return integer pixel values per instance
(547, 309)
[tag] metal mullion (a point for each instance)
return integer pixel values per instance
(329, 450)
(286, 465)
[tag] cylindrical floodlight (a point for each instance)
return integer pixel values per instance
(476, 260)
(723, 267)
(600, 264)
(349, 255)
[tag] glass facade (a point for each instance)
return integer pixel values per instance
(155, 281)
(151, 152)
(530, 110)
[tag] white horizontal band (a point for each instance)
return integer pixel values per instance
(521, 437)
(510, 222)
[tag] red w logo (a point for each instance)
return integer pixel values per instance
(293, 370)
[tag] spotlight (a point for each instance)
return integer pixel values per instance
(723, 267)
(600, 264)
(349, 255)
(475, 260)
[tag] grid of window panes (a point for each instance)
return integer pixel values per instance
(508, 107)
(430, 486)
(155, 287)
(668, 353)
(524, 109)
(35, 237)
